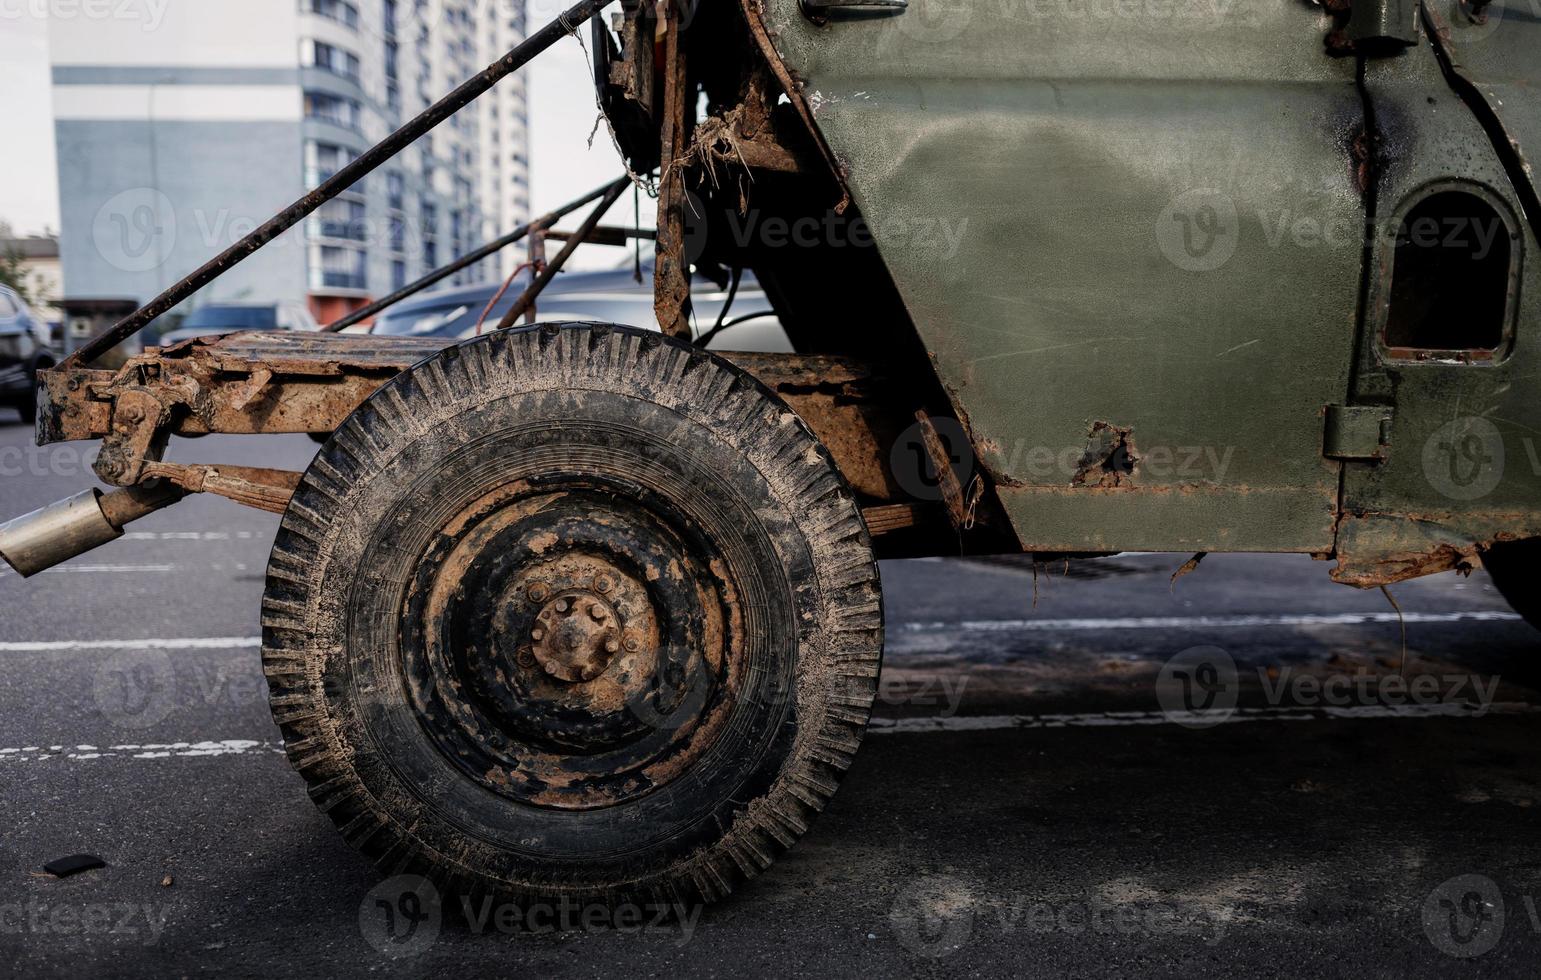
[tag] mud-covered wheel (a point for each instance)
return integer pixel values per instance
(1512, 565)
(580, 613)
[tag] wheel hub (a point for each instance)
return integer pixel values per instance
(574, 648)
(576, 635)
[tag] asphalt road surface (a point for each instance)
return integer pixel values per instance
(1237, 775)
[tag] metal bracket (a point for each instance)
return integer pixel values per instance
(1382, 27)
(820, 11)
(1358, 432)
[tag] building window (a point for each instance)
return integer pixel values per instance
(341, 218)
(395, 190)
(398, 233)
(328, 57)
(398, 275)
(338, 10)
(323, 160)
(334, 109)
(338, 267)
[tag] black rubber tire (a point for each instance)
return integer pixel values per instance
(1512, 566)
(592, 404)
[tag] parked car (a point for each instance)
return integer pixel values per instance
(606, 296)
(24, 350)
(222, 318)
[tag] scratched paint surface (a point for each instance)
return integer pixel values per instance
(1146, 218)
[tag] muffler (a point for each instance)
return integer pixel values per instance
(44, 538)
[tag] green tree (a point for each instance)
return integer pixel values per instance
(13, 272)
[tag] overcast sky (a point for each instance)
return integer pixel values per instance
(562, 115)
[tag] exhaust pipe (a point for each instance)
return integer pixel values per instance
(44, 538)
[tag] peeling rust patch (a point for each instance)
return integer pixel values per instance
(1110, 460)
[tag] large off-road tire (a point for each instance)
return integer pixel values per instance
(577, 613)
(1512, 566)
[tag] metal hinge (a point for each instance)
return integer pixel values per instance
(1373, 28)
(1357, 432)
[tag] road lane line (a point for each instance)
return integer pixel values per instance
(1117, 719)
(878, 726)
(153, 750)
(1201, 622)
(966, 626)
(107, 569)
(188, 643)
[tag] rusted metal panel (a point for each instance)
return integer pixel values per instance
(255, 383)
(671, 276)
(1150, 220)
(1460, 469)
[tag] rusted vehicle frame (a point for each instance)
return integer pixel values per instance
(858, 399)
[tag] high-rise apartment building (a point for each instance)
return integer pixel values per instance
(179, 135)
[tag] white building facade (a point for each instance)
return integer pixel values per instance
(177, 138)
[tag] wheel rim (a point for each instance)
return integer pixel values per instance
(572, 645)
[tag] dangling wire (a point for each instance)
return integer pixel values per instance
(636, 207)
(722, 318)
(535, 268)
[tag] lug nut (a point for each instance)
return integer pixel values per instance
(633, 644)
(603, 583)
(597, 613)
(537, 634)
(561, 605)
(538, 592)
(611, 646)
(524, 659)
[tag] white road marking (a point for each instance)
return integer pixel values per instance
(1200, 622)
(188, 536)
(878, 726)
(77, 569)
(188, 643)
(966, 626)
(163, 750)
(1115, 719)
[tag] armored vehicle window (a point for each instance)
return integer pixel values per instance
(1450, 277)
